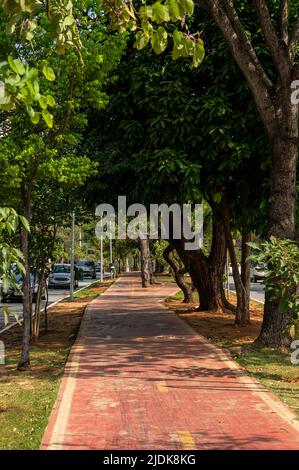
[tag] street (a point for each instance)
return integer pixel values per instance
(54, 296)
(257, 290)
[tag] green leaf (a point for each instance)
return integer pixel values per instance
(160, 13)
(159, 40)
(30, 111)
(69, 20)
(174, 10)
(36, 118)
(187, 6)
(48, 118)
(50, 100)
(142, 40)
(49, 73)
(178, 44)
(217, 197)
(43, 102)
(146, 12)
(16, 65)
(198, 54)
(24, 222)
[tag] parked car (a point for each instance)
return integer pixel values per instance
(14, 294)
(88, 267)
(230, 269)
(257, 273)
(61, 276)
(98, 267)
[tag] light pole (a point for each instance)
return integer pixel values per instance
(102, 256)
(111, 254)
(72, 257)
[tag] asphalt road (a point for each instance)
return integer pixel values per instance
(257, 290)
(54, 296)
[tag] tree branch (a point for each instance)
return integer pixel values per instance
(243, 38)
(279, 57)
(241, 48)
(284, 20)
(294, 39)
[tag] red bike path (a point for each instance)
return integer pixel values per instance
(138, 377)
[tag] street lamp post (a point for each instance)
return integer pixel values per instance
(102, 260)
(111, 254)
(102, 255)
(72, 257)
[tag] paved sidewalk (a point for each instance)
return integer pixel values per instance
(139, 377)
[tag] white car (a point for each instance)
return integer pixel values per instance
(257, 273)
(230, 269)
(60, 277)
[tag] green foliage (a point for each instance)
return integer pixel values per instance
(147, 22)
(281, 258)
(22, 18)
(21, 87)
(10, 256)
(157, 248)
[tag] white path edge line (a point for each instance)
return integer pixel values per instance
(64, 401)
(251, 298)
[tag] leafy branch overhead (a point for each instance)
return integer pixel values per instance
(147, 23)
(20, 86)
(62, 24)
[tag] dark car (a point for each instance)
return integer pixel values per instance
(88, 267)
(16, 294)
(98, 267)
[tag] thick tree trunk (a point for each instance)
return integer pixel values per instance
(284, 152)
(207, 272)
(24, 362)
(280, 119)
(178, 275)
(146, 270)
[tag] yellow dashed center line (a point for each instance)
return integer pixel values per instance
(161, 386)
(186, 440)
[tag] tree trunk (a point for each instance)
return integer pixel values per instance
(146, 274)
(225, 301)
(178, 275)
(37, 311)
(24, 362)
(280, 119)
(207, 272)
(242, 311)
(284, 152)
(159, 269)
(127, 264)
(135, 263)
(245, 276)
